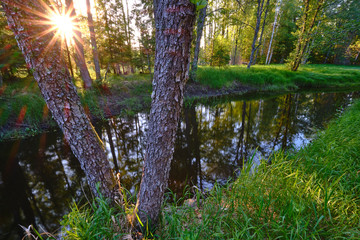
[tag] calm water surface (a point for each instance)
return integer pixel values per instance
(39, 176)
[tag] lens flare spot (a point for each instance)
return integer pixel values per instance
(21, 116)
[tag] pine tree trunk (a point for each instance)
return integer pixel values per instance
(79, 48)
(59, 92)
(93, 40)
(174, 20)
(199, 31)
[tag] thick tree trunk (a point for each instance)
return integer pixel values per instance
(59, 93)
(93, 40)
(174, 20)
(199, 31)
(79, 48)
(256, 32)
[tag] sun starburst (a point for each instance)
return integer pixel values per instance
(57, 20)
(64, 25)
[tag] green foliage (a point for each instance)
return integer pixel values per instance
(221, 52)
(200, 4)
(12, 63)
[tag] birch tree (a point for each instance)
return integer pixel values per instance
(277, 12)
(259, 12)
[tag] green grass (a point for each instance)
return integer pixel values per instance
(97, 221)
(309, 194)
(279, 77)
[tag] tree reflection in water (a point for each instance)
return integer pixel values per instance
(40, 176)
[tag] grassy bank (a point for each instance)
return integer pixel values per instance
(279, 77)
(310, 194)
(23, 111)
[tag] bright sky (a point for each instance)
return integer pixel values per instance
(80, 5)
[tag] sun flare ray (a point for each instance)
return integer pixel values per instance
(56, 20)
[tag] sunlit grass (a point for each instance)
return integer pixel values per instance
(279, 77)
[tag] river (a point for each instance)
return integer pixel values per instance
(40, 178)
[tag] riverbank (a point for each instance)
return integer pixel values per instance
(23, 112)
(309, 194)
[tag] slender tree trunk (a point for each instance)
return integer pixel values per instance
(1, 78)
(79, 48)
(199, 31)
(148, 62)
(327, 56)
(277, 11)
(235, 52)
(174, 20)
(305, 34)
(309, 47)
(262, 30)
(69, 59)
(59, 93)
(356, 58)
(271, 54)
(93, 40)
(107, 29)
(107, 71)
(256, 32)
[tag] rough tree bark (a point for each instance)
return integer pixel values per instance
(93, 40)
(199, 31)
(79, 48)
(260, 5)
(52, 76)
(174, 21)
